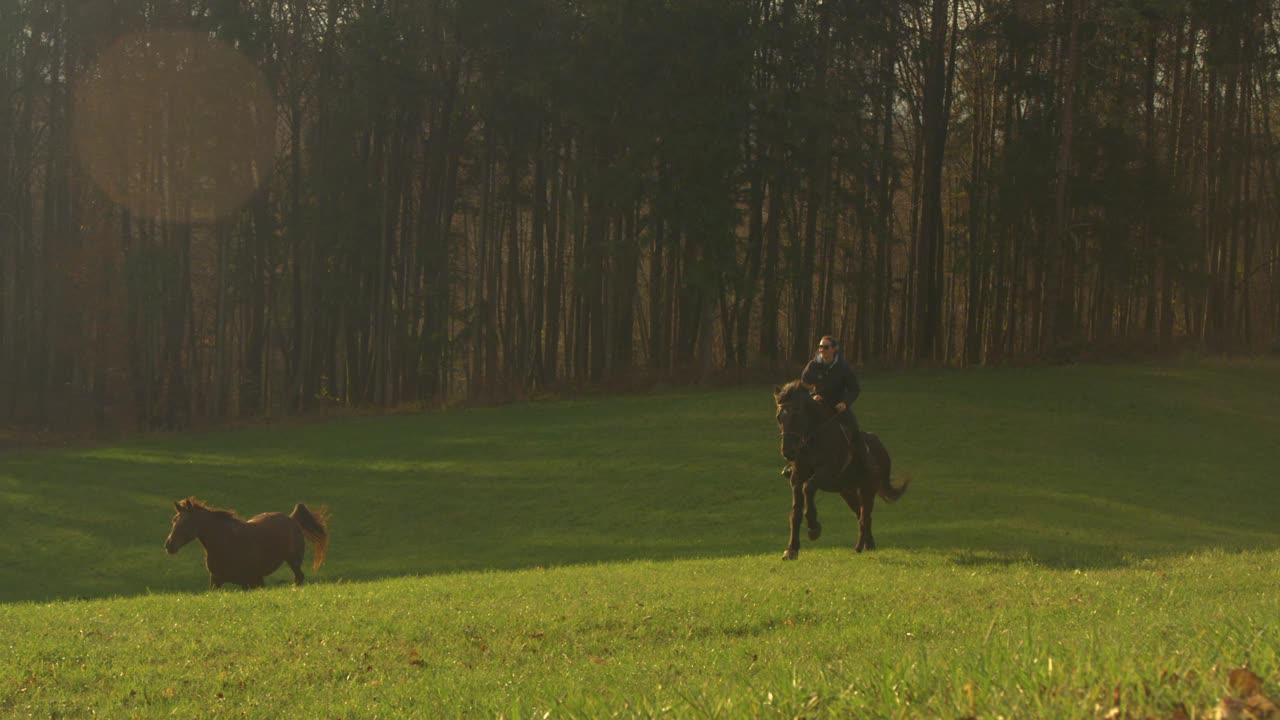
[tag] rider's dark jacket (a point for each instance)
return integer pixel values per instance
(836, 382)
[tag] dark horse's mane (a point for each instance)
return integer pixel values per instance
(802, 391)
(789, 391)
(193, 503)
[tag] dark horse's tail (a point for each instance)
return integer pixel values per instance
(315, 525)
(891, 493)
(886, 489)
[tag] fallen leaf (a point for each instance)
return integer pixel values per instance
(1244, 682)
(168, 692)
(1229, 709)
(599, 660)
(537, 634)
(1261, 707)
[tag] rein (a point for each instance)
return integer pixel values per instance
(804, 439)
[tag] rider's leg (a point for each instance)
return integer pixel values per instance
(861, 453)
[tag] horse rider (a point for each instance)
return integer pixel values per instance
(836, 387)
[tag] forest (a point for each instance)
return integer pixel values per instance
(223, 209)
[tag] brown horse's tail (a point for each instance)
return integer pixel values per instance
(315, 525)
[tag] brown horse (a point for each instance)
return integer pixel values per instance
(245, 553)
(821, 455)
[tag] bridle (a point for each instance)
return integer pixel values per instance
(805, 439)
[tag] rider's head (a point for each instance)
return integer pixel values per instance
(827, 348)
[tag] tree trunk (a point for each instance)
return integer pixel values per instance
(928, 311)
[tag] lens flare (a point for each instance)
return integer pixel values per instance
(174, 126)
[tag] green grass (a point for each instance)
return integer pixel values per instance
(1075, 539)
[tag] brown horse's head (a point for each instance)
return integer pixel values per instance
(795, 415)
(186, 524)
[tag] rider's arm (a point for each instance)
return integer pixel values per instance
(851, 389)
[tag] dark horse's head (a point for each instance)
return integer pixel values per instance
(797, 414)
(187, 523)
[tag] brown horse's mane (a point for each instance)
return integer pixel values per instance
(193, 503)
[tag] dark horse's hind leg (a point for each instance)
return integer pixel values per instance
(866, 541)
(851, 498)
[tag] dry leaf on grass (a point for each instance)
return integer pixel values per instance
(1229, 709)
(1260, 707)
(1244, 682)
(1257, 707)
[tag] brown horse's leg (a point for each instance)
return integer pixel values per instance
(811, 510)
(295, 564)
(797, 510)
(297, 549)
(867, 492)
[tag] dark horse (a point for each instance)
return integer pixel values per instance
(245, 553)
(821, 453)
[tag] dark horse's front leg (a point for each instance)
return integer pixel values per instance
(813, 479)
(804, 488)
(797, 512)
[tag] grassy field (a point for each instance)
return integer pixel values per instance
(1076, 540)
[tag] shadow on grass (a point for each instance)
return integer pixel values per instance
(102, 533)
(99, 530)
(1083, 530)
(553, 484)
